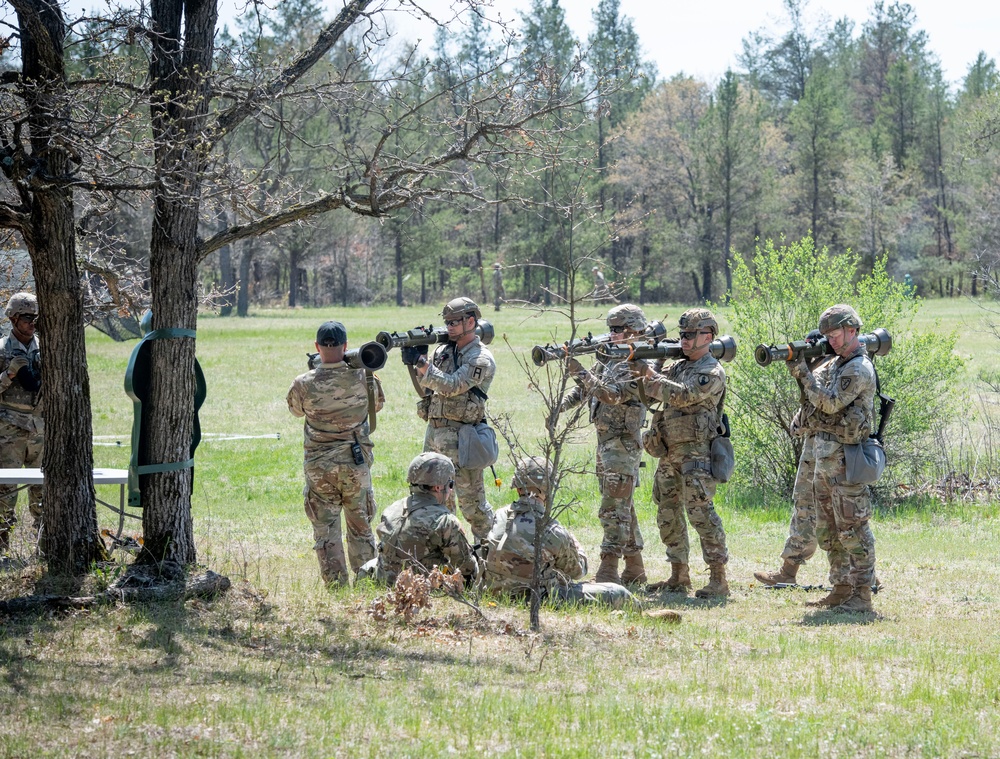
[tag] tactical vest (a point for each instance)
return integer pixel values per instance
(16, 397)
(467, 408)
(616, 420)
(852, 424)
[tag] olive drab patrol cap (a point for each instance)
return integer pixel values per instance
(331, 334)
(532, 473)
(497, 265)
(430, 469)
(627, 315)
(698, 318)
(21, 304)
(461, 307)
(840, 315)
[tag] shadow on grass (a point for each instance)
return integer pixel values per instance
(829, 618)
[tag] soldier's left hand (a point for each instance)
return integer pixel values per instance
(573, 366)
(798, 368)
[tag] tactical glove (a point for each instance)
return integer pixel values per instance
(411, 354)
(16, 364)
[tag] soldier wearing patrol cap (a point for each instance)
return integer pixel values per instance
(838, 395)
(692, 390)
(21, 427)
(601, 291)
(617, 413)
(458, 377)
(419, 531)
(334, 400)
(510, 559)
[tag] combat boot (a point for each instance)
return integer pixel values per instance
(837, 596)
(717, 585)
(635, 572)
(784, 576)
(678, 582)
(860, 601)
(608, 571)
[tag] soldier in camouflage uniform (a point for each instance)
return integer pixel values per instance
(499, 294)
(601, 290)
(837, 408)
(21, 427)
(618, 415)
(333, 398)
(458, 376)
(692, 390)
(419, 531)
(510, 559)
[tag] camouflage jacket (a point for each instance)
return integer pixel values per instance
(511, 555)
(333, 398)
(418, 529)
(613, 393)
(839, 398)
(691, 392)
(19, 405)
(459, 381)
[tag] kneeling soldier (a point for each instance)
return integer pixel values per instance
(510, 560)
(419, 532)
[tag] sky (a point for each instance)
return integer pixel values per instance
(703, 39)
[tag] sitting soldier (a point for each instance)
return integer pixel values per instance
(419, 532)
(511, 548)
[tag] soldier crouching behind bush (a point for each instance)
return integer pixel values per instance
(420, 532)
(510, 559)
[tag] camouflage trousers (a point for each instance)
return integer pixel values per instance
(470, 492)
(19, 448)
(333, 487)
(691, 493)
(831, 515)
(617, 474)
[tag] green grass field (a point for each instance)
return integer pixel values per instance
(281, 667)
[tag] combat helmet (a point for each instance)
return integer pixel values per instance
(21, 303)
(532, 473)
(627, 315)
(698, 318)
(840, 315)
(461, 307)
(430, 469)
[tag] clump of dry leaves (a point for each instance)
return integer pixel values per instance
(412, 592)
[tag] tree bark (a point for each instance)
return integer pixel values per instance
(71, 540)
(182, 50)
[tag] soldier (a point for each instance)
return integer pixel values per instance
(334, 399)
(22, 430)
(837, 408)
(420, 531)
(618, 415)
(601, 290)
(458, 377)
(510, 559)
(692, 390)
(499, 295)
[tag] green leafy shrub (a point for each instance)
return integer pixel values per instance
(777, 297)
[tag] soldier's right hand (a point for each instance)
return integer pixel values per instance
(16, 364)
(411, 353)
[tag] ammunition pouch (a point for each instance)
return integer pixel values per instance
(652, 443)
(422, 406)
(689, 428)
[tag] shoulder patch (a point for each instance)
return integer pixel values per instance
(845, 382)
(477, 373)
(703, 379)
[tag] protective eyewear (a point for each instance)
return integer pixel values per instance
(30, 318)
(452, 322)
(617, 330)
(692, 335)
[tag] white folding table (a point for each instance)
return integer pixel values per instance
(24, 478)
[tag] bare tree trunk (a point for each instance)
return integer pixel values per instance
(182, 50)
(71, 541)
